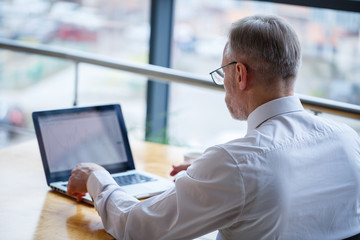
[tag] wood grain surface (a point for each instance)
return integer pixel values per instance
(30, 210)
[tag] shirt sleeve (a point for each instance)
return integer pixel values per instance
(207, 197)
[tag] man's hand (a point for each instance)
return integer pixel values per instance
(178, 168)
(78, 179)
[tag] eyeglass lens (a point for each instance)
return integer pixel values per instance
(219, 76)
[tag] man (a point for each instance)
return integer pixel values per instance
(293, 175)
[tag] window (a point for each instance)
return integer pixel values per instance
(330, 41)
(118, 29)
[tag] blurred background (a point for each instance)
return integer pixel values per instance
(120, 29)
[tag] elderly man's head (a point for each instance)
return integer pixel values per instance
(268, 44)
(268, 55)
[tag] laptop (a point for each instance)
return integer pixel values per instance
(95, 134)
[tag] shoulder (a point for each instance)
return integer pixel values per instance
(302, 126)
(327, 125)
(224, 158)
(215, 163)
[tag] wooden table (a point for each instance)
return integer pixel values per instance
(30, 210)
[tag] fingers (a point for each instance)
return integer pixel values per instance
(79, 197)
(173, 173)
(74, 190)
(70, 187)
(77, 183)
(179, 168)
(78, 179)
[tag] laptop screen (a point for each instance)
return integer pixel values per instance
(92, 134)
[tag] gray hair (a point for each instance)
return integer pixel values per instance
(269, 43)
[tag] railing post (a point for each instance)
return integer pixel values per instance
(76, 84)
(160, 50)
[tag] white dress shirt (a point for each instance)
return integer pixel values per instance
(293, 176)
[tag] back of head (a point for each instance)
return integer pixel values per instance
(268, 44)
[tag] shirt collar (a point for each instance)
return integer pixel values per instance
(273, 108)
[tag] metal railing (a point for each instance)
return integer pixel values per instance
(162, 74)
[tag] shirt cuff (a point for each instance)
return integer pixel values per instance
(97, 181)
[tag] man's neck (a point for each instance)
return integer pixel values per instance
(260, 97)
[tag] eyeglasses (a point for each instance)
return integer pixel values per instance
(218, 75)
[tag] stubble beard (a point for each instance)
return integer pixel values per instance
(237, 113)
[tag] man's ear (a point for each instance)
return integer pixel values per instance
(242, 75)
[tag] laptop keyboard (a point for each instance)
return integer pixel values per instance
(132, 179)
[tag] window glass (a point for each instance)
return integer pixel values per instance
(116, 29)
(330, 68)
